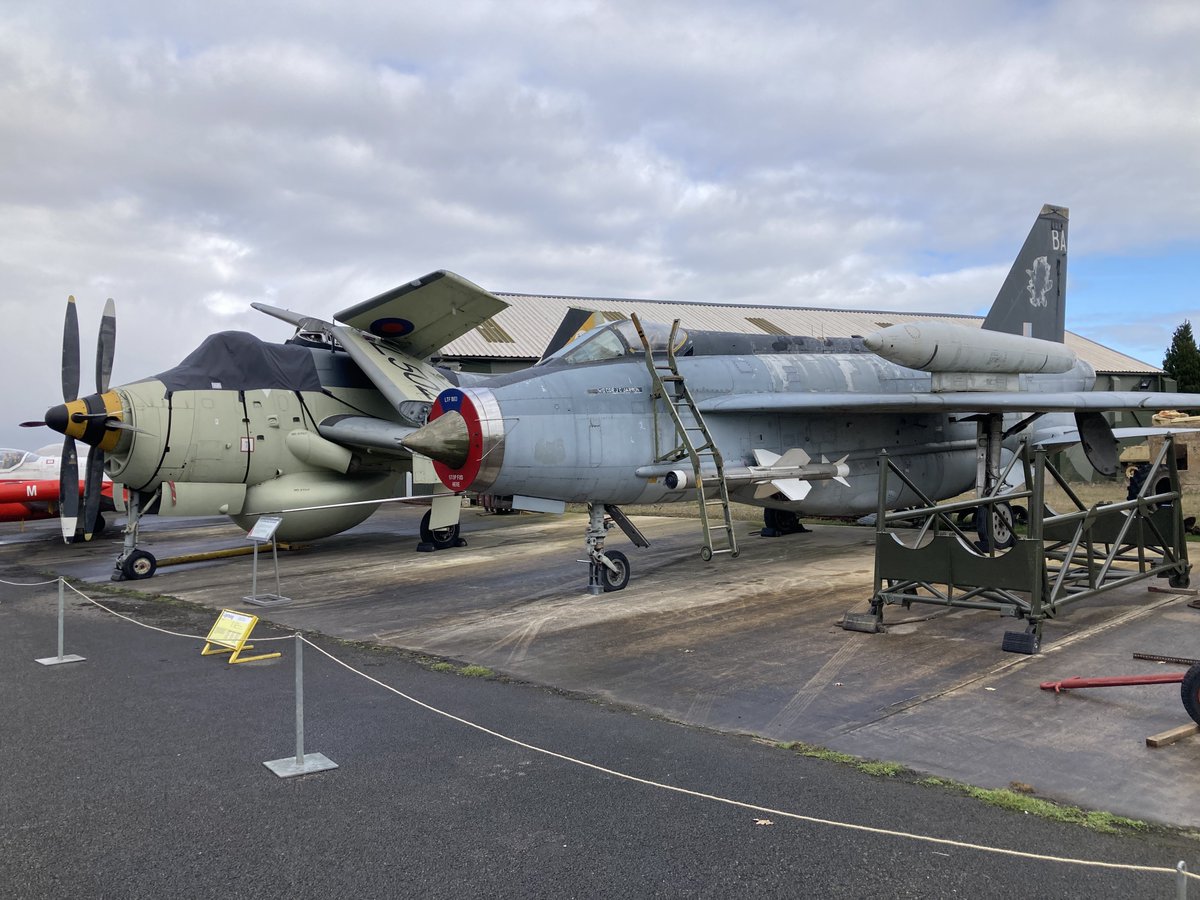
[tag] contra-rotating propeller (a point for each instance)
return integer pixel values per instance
(87, 419)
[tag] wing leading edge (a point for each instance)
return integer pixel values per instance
(952, 401)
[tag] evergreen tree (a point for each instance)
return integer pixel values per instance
(1182, 361)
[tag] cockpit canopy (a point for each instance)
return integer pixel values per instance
(11, 459)
(614, 341)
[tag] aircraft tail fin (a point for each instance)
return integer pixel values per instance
(576, 321)
(1032, 301)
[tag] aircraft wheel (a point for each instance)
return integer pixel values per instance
(1190, 691)
(615, 581)
(1179, 581)
(138, 565)
(784, 521)
(995, 529)
(441, 538)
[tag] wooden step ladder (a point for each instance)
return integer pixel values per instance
(695, 443)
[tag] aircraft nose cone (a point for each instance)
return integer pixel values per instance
(57, 418)
(873, 341)
(445, 440)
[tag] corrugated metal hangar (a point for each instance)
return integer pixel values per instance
(516, 337)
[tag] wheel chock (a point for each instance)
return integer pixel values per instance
(1026, 642)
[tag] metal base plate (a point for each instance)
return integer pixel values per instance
(55, 660)
(865, 622)
(313, 762)
(266, 600)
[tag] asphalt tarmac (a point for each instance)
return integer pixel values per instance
(140, 770)
(139, 773)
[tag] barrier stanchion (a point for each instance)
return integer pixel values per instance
(69, 658)
(302, 763)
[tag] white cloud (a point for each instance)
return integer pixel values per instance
(188, 159)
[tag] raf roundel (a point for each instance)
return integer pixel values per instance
(391, 327)
(454, 400)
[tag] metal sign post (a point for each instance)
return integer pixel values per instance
(263, 531)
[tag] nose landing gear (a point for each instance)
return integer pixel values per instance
(608, 571)
(133, 564)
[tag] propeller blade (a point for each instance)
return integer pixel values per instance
(106, 346)
(68, 490)
(38, 424)
(70, 355)
(93, 486)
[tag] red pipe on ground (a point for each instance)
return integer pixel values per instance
(1068, 684)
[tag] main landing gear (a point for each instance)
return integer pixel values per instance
(777, 522)
(438, 538)
(608, 571)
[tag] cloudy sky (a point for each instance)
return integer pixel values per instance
(189, 158)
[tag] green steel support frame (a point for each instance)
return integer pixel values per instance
(1062, 559)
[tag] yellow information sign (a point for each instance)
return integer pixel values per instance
(229, 635)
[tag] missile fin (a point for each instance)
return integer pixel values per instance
(794, 457)
(765, 457)
(792, 488)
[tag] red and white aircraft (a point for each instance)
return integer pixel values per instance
(29, 485)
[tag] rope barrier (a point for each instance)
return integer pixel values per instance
(715, 798)
(869, 829)
(194, 637)
(27, 583)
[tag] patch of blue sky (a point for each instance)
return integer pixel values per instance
(1134, 303)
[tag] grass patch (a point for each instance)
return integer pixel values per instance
(476, 672)
(881, 769)
(1017, 798)
(1022, 802)
(870, 767)
(442, 665)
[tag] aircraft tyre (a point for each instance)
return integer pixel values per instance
(781, 521)
(615, 581)
(1190, 691)
(138, 565)
(995, 526)
(440, 538)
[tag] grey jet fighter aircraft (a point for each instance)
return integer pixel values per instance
(242, 427)
(633, 413)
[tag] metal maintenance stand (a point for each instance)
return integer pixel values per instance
(1063, 558)
(263, 531)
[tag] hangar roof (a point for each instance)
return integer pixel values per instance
(522, 331)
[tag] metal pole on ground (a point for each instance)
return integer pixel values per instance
(55, 660)
(302, 763)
